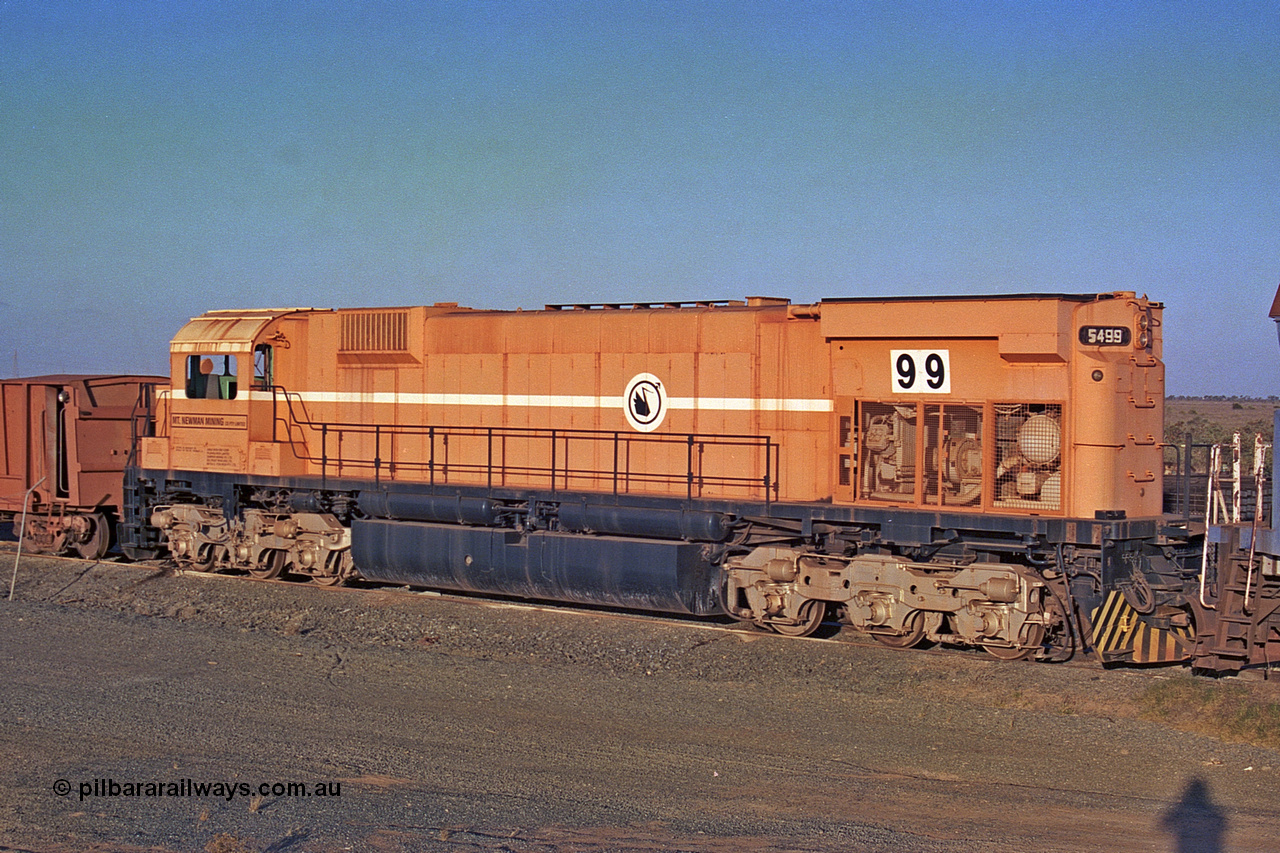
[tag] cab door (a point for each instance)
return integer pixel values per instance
(845, 442)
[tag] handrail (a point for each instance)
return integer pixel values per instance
(1210, 512)
(490, 462)
(22, 532)
(144, 414)
(1259, 473)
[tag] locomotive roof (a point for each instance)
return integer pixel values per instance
(772, 301)
(67, 378)
(991, 297)
(226, 331)
(234, 329)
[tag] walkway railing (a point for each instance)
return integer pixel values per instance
(555, 459)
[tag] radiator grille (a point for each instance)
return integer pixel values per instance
(375, 331)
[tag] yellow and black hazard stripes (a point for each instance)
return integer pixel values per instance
(1119, 633)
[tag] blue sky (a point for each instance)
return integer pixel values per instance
(158, 159)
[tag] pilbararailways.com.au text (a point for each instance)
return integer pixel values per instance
(191, 788)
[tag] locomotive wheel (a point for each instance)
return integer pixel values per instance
(915, 633)
(327, 580)
(1034, 638)
(205, 559)
(270, 566)
(95, 544)
(811, 615)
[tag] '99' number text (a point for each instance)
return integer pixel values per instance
(919, 371)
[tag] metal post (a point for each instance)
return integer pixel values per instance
(1186, 476)
(1259, 474)
(768, 467)
(324, 454)
(22, 531)
(1211, 493)
(1235, 478)
(689, 465)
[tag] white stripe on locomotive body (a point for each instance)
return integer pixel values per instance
(554, 401)
(382, 398)
(748, 404)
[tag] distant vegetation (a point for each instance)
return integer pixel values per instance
(1218, 398)
(1212, 420)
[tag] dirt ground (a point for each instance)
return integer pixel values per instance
(444, 725)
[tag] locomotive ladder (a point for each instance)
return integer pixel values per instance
(1235, 629)
(1236, 633)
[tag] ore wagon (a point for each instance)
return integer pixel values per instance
(64, 445)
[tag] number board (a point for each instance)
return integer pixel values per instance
(1104, 336)
(920, 371)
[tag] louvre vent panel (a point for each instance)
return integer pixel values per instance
(375, 331)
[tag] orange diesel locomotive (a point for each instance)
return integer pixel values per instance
(971, 470)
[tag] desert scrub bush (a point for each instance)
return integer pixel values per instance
(1224, 710)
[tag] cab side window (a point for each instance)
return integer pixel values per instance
(263, 376)
(211, 377)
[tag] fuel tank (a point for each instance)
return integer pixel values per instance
(641, 574)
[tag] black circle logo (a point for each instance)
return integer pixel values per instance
(645, 402)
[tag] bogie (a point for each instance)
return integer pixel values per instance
(899, 602)
(265, 544)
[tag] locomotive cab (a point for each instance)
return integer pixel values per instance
(221, 414)
(223, 440)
